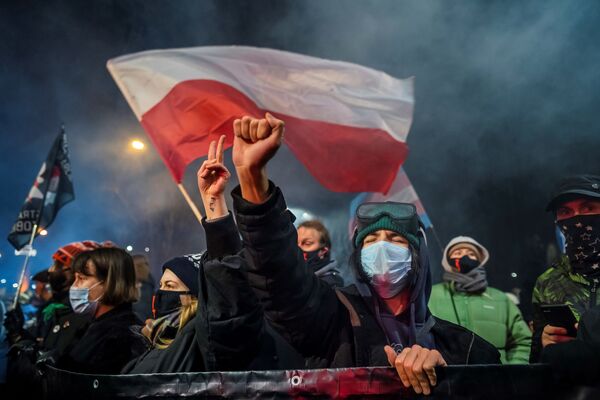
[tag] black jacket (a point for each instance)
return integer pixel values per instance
(578, 361)
(62, 331)
(329, 328)
(229, 331)
(107, 345)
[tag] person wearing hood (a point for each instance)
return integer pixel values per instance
(314, 241)
(198, 323)
(466, 299)
(381, 320)
(574, 278)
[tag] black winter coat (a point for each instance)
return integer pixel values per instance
(331, 329)
(228, 332)
(107, 345)
(578, 361)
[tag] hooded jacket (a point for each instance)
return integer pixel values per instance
(333, 328)
(464, 239)
(490, 314)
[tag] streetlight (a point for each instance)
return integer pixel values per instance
(129, 248)
(137, 145)
(43, 232)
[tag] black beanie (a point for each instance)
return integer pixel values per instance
(186, 268)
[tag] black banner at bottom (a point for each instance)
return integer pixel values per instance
(456, 382)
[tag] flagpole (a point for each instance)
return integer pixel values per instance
(29, 248)
(437, 239)
(188, 199)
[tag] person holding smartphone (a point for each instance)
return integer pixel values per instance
(575, 278)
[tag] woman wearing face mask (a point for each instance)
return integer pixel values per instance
(206, 317)
(466, 299)
(174, 307)
(103, 292)
(383, 318)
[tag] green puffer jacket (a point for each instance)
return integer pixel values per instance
(491, 315)
(560, 285)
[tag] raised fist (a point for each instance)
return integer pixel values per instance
(256, 141)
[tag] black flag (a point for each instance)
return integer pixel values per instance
(52, 189)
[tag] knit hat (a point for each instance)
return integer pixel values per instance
(465, 242)
(386, 223)
(186, 268)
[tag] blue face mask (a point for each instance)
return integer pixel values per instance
(387, 266)
(80, 300)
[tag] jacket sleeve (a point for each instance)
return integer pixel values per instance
(578, 360)
(304, 310)
(519, 336)
(229, 321)
(538, 324)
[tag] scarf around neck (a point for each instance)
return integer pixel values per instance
(475, 281)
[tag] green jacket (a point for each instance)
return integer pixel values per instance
(491, 315)
(560, 285)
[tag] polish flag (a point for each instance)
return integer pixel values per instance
(347, 124)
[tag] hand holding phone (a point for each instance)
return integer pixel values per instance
(560, 315)
(561, 325)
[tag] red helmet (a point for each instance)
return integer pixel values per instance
(67, 253)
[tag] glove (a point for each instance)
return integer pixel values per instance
(13, 322)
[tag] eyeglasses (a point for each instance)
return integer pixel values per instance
(404, 214)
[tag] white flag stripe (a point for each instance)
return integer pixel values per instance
(406, 195)
(283, 82)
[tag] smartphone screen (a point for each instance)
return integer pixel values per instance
(560, 315)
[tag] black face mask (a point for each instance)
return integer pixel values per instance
(313, 261)
(582, 235)
(164, 302)
(464, 265)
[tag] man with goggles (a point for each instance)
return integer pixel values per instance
(382, 319)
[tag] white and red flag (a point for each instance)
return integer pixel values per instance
(346, 123)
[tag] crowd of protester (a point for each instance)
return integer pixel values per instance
(266, 295)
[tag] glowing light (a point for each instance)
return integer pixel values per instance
(147, 249)
(513, 274)
(43, 232)
(15, 285)
(129, 248)
(3, 281)
(137, 144)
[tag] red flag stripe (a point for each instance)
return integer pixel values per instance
(342, 158)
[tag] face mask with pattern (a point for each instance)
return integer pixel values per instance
(582, 239)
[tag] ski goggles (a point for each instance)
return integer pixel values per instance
(402, 214)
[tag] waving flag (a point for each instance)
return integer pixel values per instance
(52, 189)
(346, 123)
(402, 191)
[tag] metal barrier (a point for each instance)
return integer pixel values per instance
(456, 382)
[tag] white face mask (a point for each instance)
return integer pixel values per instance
(387, 266)
(80, 300)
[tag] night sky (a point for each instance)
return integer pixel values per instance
(507, 102)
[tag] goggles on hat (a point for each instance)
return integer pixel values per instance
(403, 214)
